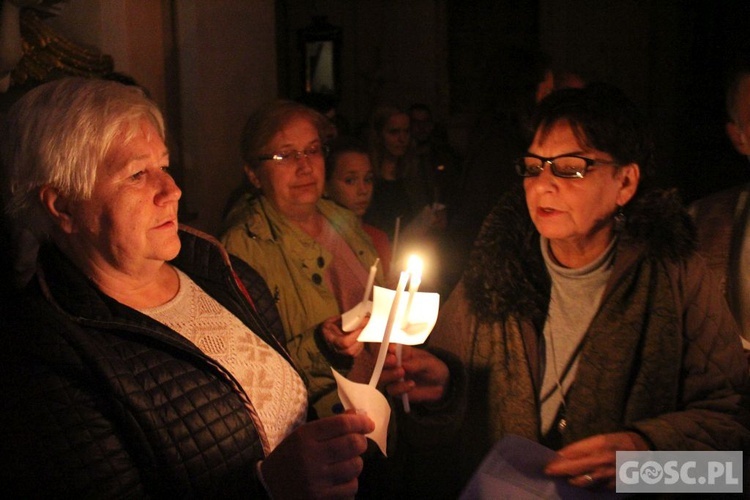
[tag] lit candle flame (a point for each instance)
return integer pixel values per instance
(414, 266)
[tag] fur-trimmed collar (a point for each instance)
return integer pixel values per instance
(506, 273)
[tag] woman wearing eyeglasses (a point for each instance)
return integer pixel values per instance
(313, 253)
(586, 320)
(315, 258)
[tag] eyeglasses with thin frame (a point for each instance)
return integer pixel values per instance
(291, 157)
(565, 166)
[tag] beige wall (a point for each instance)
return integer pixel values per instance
(131, 31)
(208, 73)
(209, 63)
(227, 59)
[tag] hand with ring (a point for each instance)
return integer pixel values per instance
(592, 462)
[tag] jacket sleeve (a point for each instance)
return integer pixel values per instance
(73, 424)
(713, 403)
(59, 437)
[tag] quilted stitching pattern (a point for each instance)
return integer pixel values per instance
(114, 405)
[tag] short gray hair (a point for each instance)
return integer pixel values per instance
(60, 133)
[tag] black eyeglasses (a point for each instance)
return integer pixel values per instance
(290, 157)
(565, 166)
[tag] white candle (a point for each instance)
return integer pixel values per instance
(414, 268)
(394, 245)
(388, 329)
(370, 281)
(404, 396)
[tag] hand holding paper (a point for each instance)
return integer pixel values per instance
(514, 468)
(368, 400)
(422, 318)
(321, 456)
(594, 457)
(340, 341)
(393, 320)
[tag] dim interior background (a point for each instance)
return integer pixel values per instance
(209, 63)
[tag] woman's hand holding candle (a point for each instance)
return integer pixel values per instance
(341, 342)
(421, 375)
(405, 371)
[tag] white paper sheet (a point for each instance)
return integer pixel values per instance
(352, 318)
(514, 469)
(421, 321)
(367, 399)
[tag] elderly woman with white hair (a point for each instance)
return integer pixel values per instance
(145, 361)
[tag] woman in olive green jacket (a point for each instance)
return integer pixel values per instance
(293, 264)
(313, 254)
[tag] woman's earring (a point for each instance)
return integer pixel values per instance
(620, 219)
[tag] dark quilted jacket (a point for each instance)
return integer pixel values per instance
(102, 401)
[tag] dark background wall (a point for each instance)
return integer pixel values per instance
(209, 63)
(702, 157)
(671, 57)
(668, 55)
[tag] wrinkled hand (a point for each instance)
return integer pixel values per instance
(425, 377)
(342, 342)
(592, 461)
(320, 459)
